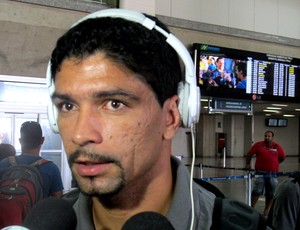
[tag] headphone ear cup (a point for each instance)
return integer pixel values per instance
(51, 110)
(52, 117)
(194, 104)
(183, 94)
(189, 103)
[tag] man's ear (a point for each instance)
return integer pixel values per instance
(172, 117)
(42, 140)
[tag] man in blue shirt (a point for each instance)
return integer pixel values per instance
(31, 141)
(241, 75)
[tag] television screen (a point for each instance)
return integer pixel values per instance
(232, 73)
(282, 122)
(272, 122)
(276, 122)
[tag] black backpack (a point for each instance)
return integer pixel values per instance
(20, 189)
(232, 214)
(296, 176)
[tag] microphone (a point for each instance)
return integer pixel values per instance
(51, 213)
(147, 221)
(14, 227)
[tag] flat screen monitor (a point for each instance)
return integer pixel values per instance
(271, 122)
(276, 122)
(282, 122)
(231, 73)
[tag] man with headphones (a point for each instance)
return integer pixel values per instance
(117, 99)
(114, 80)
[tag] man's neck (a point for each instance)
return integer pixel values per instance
(31, 152)
(156, 197)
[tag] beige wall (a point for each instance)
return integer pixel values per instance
(28, 33)
(190, 37)
(279, 18)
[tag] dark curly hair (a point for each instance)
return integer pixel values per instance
(141, 50)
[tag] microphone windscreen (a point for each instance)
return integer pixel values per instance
(50, 214)
(15, 227)
(147, 221)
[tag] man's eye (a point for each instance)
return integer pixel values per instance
(65, 107)
(114, 105)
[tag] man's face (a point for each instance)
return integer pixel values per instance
(238, 73)
(268, 137)
(112, 126)
(220, 64)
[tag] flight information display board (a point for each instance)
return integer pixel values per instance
(266, 76)
(272, 78)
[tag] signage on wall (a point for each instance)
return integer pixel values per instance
(231, 106)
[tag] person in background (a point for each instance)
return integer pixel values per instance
(217, 73)
(241, 73)
(212, 64)
(116, 96)
(226, 80)
(214, 78)
(6, 150)
(285, 210)
(269, 155)
(221, 77)
(31, 140)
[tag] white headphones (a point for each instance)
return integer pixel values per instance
(188, 92)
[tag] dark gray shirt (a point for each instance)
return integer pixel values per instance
(180, 210)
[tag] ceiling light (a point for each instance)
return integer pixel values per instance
(297, 109)
(204, 99)
(288, 115)
(275, 108)
(271, 111)
(282, 105)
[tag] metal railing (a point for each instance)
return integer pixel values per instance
(249, 175)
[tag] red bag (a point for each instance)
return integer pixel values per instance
(20, 189)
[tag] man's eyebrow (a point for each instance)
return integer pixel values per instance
(62, 97)
(98, 95)
(116, 92)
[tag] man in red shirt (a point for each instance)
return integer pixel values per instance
(268, 156)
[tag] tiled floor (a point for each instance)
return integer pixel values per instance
(229, 179)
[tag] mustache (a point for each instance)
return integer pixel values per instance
(93, 157)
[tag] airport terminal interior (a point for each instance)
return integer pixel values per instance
(230, 176)
(230, 121)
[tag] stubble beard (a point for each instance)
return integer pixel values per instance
(93, 186)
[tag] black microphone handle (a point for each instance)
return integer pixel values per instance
(148, 221)
(51, 214)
